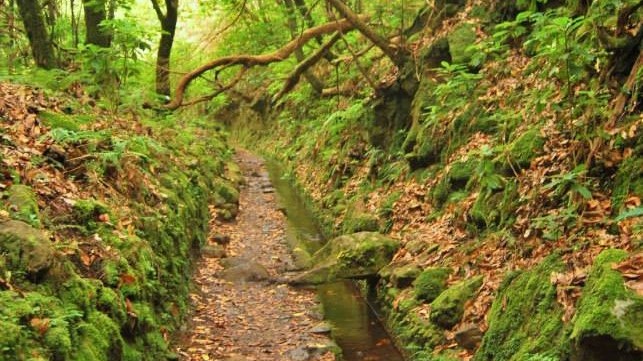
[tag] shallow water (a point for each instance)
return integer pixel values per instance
(356, 328)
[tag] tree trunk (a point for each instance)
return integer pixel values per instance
(95, 14)
(168, 24)
(41, 47)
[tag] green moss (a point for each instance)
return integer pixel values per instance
(460, 41)
(58, 340)
(227, 191)
(496, 210)
(629, 180)
(86, 212)
(431, 283)
(360, 222)
(608, 314)
(98, 339)
(525, 319)
(22, 204)
(448, 308)
(525, 148)
(80, 292)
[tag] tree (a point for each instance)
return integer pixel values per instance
(39, 40)
(245, 60)
(168, 26)
(95, 14)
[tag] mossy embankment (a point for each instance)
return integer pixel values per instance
(508, 174)
(101, 217)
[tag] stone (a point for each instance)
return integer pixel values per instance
(25, 247)
(298, 354)
(448, 308)
(246, 272)
(322, 327)
(468, 336)
(403, 277)
(213, 251)
(358, 255)
(22, 203)
(222, 239)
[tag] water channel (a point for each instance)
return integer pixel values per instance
(355, 325)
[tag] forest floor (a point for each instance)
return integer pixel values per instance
(238, 314)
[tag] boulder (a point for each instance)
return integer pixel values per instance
(25, 247)
(448, 308)
(22, 203)
(358, 255)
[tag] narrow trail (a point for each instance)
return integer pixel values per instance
(240, 319)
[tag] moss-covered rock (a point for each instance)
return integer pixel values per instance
(400, 275)
(525, 148)
(497, 209)
(431, 283)
(26, 249)
(356, 255)
(22, 204)
(87, 213)
(525, 319)
(460, 41)
(609, 320)
(448, 308)
(360, 222)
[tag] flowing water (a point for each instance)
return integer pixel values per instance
(356, 327)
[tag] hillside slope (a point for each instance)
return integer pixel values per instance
(508, 158)
(100, 216)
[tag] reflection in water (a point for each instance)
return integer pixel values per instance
(356, 328)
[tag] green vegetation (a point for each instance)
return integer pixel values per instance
(496, 140)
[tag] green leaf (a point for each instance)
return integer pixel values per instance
(634, 212)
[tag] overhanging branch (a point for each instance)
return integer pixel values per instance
(263, 59)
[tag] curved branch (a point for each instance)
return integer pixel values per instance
(224, 88)
(252, 60)
(303, 67)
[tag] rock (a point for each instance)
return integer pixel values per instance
(213, 251)
(221, 239)
(402, 277)
(468, 336)
(298, 354)
(23, 205)
(322, 327)
(357, 255)
(234, 261)
(246, 272)
(431, 283)
(448, 308)
(25, 247)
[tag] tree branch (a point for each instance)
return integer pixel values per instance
(367, 31)
(302, 67)
(229, 86)
(252, 60)
(157, 10)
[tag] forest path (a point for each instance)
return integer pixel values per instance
(240, 319)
